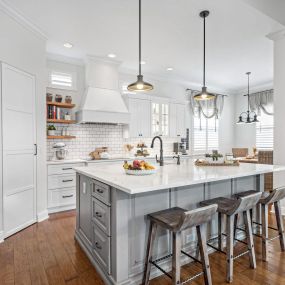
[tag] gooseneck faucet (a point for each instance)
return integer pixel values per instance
(161, 150)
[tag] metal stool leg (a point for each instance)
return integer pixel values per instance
(230, 248)
(151, 237)
(280, 224)
(264, 216)
(220, 231)
(201, 233)
(176, 267)
(249, 236)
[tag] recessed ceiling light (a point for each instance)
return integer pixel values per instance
(169, 68)
(68, 45)
(143, 62)
(111, 55)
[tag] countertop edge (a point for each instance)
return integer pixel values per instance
(182, 184)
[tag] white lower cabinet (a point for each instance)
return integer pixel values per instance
(61, 187)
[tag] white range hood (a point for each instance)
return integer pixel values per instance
(102, 101)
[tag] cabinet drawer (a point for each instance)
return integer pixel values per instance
(101, 248)
(101, 191)
(61, 197)
(63, 168)
(101, 215)
(61, 181)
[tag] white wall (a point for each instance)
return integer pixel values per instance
(24, 49)
(279, 108)
(226, 130)
(63, 65)
(244, 134)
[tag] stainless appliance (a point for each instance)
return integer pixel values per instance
(60, 150)
(179, 147)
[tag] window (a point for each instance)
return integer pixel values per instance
(62, 80)
(205, 135)
(265, 132)
(160, 119)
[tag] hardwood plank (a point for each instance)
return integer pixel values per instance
(46, 253)
(23, 278)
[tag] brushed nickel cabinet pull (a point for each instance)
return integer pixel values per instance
(67, 180)
(67, 196)
(99, 215)
(67, 168)
(98, 245)
(100, 191)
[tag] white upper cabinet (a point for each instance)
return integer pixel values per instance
(159, 118)
(177, 120)
(155, 116)
(139, 118)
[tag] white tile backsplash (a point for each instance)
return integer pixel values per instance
(90, 136)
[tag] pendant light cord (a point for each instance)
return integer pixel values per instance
(204, 66)
(248, 91)
(140, 4)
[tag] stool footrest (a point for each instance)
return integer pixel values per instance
(154, 262)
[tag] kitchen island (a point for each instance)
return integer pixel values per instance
(111, 224)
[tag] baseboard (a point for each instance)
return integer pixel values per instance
(61, 209)
(42, 216)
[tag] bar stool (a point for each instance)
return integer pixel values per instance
(268, 198)
(230, 207)
(176, 220)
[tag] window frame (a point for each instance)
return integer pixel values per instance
(72, 75)
(206, 128)
(265, 138)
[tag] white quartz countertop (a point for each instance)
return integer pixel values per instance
(172, 175)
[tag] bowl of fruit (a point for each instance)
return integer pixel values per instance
(139, 167)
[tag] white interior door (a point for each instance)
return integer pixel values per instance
(18, 139)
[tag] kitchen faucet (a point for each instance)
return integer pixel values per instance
(161, 150)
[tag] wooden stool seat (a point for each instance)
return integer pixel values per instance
(230, 207)
(176, 220)
(225, 205)
(168, 218)
(268, 198)
(263, 199)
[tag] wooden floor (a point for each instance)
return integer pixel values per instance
(46, 253)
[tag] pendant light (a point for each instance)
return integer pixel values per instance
(140, 84)
(204, 94)
(247, 117)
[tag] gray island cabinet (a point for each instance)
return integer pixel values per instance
(111, 224)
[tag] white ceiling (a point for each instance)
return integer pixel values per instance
(172, 36)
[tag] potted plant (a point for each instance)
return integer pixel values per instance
(51, 130)
(214, 157)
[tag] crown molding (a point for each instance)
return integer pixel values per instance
(65, 59)
(22, 20)
(275, 36)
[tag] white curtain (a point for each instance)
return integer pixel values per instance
(262, 101)
(207, 108)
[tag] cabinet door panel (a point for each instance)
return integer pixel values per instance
(85, 205)
(140, 117)
(180, 120)
(141, 205)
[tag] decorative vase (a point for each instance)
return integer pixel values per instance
(51, 132)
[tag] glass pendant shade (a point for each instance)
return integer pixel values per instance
(140, 85)
(204, 95)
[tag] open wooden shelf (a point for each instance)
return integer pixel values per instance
(61, 137)
(57, 121)
(61, 105)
